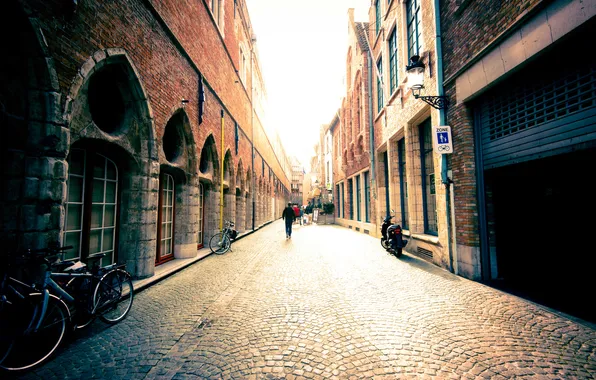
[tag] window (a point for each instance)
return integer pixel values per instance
(91, 206)
(413, 20)
(236, 137)
(358, 198)
(403, 182)
(393, 61)
(366, 198)
(351, 198)
(377, 16)
(243, 66)
(165, 233)
(201, 222)
(380, 85)
(215, 6)
(343, 200)
(338, 201)
(428, 178)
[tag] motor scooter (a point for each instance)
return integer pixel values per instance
(391, 236)
(384, 226)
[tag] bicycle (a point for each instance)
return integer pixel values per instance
(221, 242)
(34, 321)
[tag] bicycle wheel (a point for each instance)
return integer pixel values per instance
(81, 288)
(220, 243)
(7, 335)
(113, 296)
(31, 348)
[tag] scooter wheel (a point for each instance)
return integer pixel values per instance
(385, 244)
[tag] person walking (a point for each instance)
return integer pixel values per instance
(301, 214)
(296, 212)
(288, 215)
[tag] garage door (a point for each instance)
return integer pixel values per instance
(539, 112)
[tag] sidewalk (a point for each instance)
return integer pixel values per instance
(167, 269)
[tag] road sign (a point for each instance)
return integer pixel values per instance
(442, 139)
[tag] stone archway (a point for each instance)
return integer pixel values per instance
(107, 105)
(179, 211)
(30, 115)
(229, 185)
(248, 195)
(208, 174)
(240, 198)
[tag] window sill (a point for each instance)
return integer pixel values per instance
(427, 238)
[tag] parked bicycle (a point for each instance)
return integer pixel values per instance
(221, 242)
(34, 316)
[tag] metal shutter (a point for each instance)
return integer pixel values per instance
(539, 113)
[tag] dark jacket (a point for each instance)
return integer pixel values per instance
(288, 214)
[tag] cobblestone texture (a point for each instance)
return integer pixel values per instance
(328, 303)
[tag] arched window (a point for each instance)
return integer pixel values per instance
(91, 206)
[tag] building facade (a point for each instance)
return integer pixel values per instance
(136, 128)
(353, 183)
(408, 171)
(523, 119)
(297, 183)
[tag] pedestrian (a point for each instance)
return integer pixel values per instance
(301, 214)
(296, 212)
(288, 215)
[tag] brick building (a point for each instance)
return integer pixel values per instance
(123, 122)
(351, 136)
(523, 119)
(408, 172)
(297, 182)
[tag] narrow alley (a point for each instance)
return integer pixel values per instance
(327, 303)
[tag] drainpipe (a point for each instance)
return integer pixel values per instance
(442, 121)
(252, 139)
(221, 171)
(371, 126)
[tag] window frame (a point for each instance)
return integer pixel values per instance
(87, 205)
(393, 61)
(403, 181)
(412, 27)
(166, 179)
(380, 100)
(429, 207)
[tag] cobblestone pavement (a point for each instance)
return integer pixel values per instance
(328, 303)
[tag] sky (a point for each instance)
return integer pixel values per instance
(302, 47)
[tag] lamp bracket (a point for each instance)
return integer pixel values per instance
(438, 102)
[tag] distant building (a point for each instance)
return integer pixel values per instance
(296, 184)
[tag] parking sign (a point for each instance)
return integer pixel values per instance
(442, 139)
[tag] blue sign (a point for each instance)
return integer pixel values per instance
(443, 137)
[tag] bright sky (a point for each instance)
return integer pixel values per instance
(302, 49)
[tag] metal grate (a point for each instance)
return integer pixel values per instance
(366, 232)
(357, 228)
(527, 105)
(424, 253)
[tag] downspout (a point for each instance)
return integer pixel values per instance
(371, 126)
(221, 170)
(252, 139)
(442, 121)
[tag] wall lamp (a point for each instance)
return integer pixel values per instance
(415, 73)
(184, 102)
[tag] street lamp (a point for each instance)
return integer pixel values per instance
(415, 73)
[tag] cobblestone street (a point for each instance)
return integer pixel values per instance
(327, 303)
